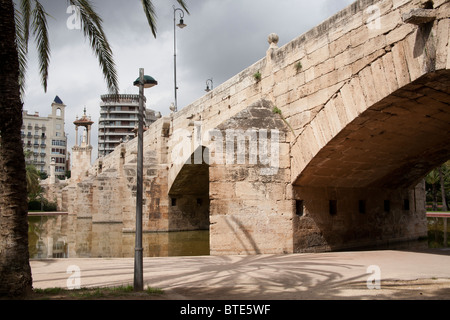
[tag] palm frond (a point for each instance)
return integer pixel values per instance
(149, 10)
(183, 5)
(22, 49)
(93, 30)
(150, 13)
(25, 8)
(40, 32)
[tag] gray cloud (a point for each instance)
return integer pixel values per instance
(222, 38)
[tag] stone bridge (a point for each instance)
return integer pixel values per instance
(321, 145)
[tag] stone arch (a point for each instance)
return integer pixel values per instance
(371, 169)
(394, 143)
(189, 195)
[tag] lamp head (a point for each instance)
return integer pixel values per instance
(181, 25)
(148, 82)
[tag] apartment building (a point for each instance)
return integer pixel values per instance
(118, 120)
(44, 139)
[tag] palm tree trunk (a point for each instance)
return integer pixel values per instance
(15, 271)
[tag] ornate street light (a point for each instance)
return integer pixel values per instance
(181, 25)
(209, 81)
(142, 82)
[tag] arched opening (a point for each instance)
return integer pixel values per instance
(58, 112)
(189, 196)
(366, 185)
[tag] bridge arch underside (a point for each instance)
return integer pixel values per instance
(189, 196)
(365, 187)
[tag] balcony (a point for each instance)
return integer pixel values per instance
(124, 117)
(43, 145)
(115, 141)
(113, 105)
(119, 134)
(129, 126)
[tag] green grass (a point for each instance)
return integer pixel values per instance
(125, 292)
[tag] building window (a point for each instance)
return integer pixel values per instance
(362, 206)
(299, 208)
(333, 207)
(387, 205)
(406, 204)
(58, 143)
(173, 202)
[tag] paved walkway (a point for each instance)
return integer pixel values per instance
(335, 275)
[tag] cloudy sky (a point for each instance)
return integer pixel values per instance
(222, 38)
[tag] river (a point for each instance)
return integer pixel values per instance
(50, 237)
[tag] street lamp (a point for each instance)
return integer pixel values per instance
(209, 81)
(181, 25)
(142, 82)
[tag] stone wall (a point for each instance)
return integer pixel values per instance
(326, 88)
(250, 211)
(339, 218)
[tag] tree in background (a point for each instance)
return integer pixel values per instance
(438, 186)
(33, 182)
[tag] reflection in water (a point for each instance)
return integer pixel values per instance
(437, 234)
(46, 237)
(53, 237)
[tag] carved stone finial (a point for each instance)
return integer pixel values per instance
(273, 40)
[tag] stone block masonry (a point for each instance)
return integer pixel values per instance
(359, 110)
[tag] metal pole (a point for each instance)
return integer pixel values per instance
(175, 57)
(138, 258)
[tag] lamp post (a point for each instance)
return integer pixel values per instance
(209, 81)
(141, 82)
(181, 25)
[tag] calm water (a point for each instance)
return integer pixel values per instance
(50, 237)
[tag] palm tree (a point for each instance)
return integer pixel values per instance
(18, 22)
(432, 179)
(32, 176)
(436, 179)
(33, 186)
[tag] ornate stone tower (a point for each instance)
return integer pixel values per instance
(82, 150)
